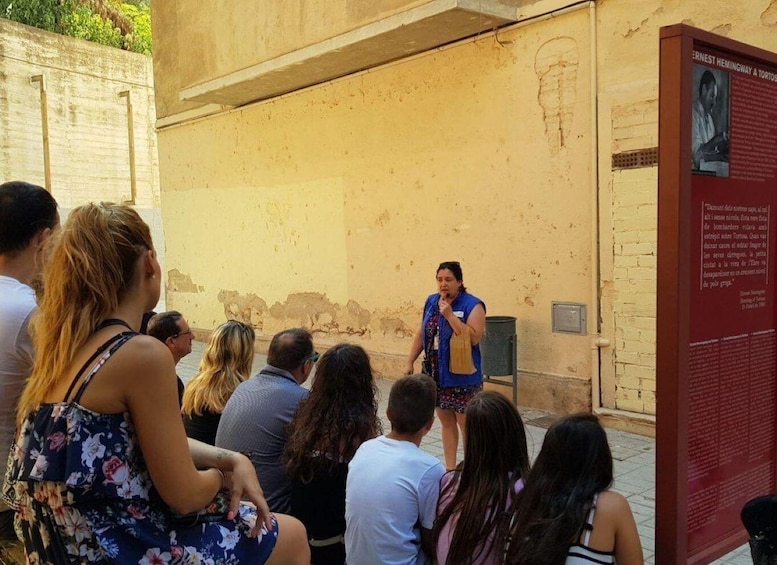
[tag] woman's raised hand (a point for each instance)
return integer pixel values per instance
(444, 305)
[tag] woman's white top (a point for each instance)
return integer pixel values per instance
(581, 554)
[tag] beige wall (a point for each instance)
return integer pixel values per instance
(87, 120)
(331, 207)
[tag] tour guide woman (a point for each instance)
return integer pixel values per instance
(452, 310)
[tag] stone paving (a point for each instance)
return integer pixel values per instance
(634, 455)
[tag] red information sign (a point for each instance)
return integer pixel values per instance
(717, 339)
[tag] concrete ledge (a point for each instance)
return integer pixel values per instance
(424, 27)
(632, 422)
(558, 394)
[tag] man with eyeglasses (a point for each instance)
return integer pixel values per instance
(255, 417)
(172, 329)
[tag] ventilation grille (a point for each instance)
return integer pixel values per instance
(635, 159)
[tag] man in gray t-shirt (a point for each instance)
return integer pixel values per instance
(256, 415)
(28, 214)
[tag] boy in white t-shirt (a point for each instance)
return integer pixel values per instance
(392, 488)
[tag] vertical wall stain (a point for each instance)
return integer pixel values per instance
(556, 64)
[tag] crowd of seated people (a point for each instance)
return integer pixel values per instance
(101, 469)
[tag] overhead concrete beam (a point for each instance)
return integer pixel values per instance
(422, 28)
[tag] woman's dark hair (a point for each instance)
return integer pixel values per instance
(338, 416)
(573, 465)
(496, 457)
(455, 268)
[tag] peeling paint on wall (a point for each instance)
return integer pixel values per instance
(556, 66)
(181, 282)
(723, 29)
(631, 31)
(324, 318)
(769, 16)
(249, 309)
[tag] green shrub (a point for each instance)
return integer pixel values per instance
(139, 40)
(43, 14)
(83, 23)
(100, 21)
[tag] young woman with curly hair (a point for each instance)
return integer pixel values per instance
(226, 363)
(472, 520)
(566, 514)
(329, 426)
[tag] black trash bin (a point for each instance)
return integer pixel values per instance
(497, 346)
(759, 516)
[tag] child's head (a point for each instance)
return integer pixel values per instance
(411, 404)
(495, 438)
(496, 458)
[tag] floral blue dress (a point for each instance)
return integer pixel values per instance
(82, 493)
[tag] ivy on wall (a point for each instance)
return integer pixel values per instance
(122, 24)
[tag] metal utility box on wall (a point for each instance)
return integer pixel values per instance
(569, 318)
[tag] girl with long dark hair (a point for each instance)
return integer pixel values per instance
(566, 514)
(329, 426)
(472, 521)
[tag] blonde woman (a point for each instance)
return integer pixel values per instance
(101, 470)
(226, 363)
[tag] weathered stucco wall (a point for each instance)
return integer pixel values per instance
(87, 120)
(628, 119)
(330, 208)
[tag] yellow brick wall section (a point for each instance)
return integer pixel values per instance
(634, 283)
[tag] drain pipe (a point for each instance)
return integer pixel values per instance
(597, 342)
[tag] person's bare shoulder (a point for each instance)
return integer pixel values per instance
(144, 353)
(612, 503)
